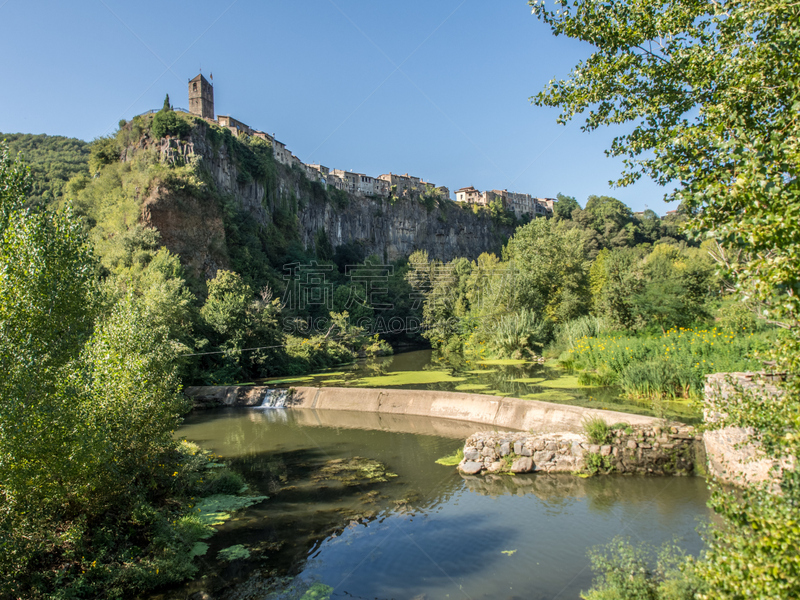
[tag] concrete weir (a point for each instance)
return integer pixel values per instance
(496, 411)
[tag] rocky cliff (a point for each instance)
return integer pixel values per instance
(191, 220)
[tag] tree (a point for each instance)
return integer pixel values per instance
(88, 397)
(167, 122)
(564, 206)
(711, 93)
(550, 269)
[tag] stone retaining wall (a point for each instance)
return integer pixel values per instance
(733, 454)
(649, 450)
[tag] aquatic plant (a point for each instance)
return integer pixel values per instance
(452, 460)
(354, 471)
(233, 553)
(672, 365)
(217, 509)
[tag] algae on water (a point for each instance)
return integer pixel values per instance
(408, 378)
(354, 471)
(217, 509)
(233, 553)
(466, 387)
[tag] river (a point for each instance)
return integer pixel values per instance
(427, 532)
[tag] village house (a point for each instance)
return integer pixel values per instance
(520, 204)
(470, 195)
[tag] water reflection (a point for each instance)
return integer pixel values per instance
(428, 531)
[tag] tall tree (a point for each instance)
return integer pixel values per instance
(711, 94)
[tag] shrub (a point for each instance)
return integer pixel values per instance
(167, 122)
(625, 573)
(520, 332)
(596, 430)
(597, 463)
(223, 481)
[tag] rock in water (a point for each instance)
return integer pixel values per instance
(522, 465)
(470, 467)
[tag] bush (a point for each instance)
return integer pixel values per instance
(524, 331)
(222, 481)
(596, 430)
(596, 463)
(167, 122)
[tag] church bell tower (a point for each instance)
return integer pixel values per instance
(201, 97)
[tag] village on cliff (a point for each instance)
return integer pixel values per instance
(201, 104)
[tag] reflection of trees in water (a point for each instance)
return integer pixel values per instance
(378, 366)
(307, 503)
(669, 495)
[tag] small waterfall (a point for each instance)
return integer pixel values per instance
(275, 399)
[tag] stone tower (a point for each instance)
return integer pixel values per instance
(201, 97)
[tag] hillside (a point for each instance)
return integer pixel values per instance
(53, 160)
(221, 202)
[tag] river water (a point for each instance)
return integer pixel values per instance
(426, 533)
(424, 369)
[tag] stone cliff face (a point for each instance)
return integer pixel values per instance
(193, 227)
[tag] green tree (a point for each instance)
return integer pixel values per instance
(550, 269)
(88, 399)
(710, 91)
(167, 122)
(564, 206)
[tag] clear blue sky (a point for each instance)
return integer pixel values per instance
(437, 89)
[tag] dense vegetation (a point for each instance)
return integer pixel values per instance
(244, 323)
(53, 160)
(94, 489)
(710, 93)
(95, 493)
(606, 291)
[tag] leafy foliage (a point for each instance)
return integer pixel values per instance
(53, 161)
(168, 122)
(711, 92)
(597, 430)
(627, 572)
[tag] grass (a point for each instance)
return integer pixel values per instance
(672, 365)
(597, 430)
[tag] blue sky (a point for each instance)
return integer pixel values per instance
(436, 89)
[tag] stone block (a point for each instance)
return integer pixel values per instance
(522, 465)
(543, 456)
(518, 448)
(526, 452)
(605, 450)
(632, 444)
(470, 467)
(471, 454)
(505, 449)
(496, 467)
